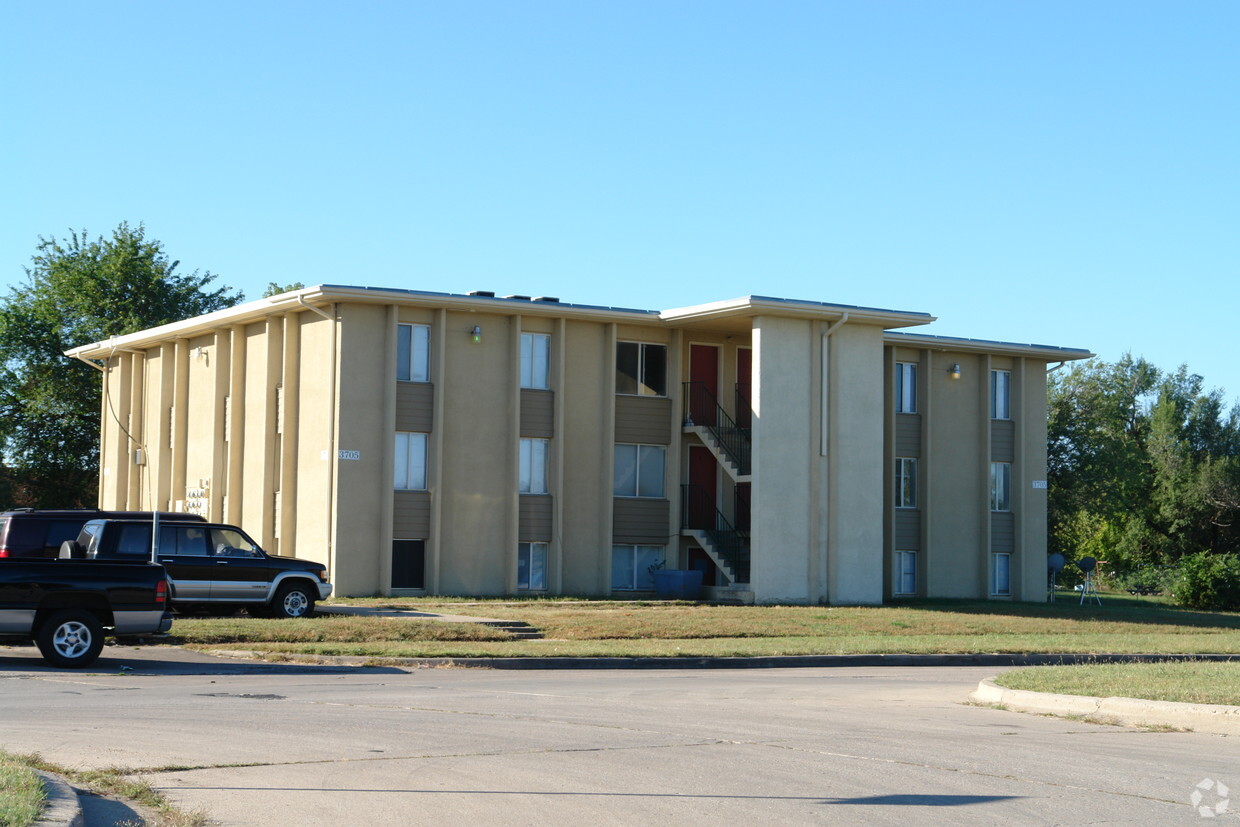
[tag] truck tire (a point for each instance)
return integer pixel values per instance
(70, 639)
(295, 599)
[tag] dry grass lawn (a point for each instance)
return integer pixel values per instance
(606, 628)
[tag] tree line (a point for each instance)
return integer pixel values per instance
(77, 291)
(1143, 466)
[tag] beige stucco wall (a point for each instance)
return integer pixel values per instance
(1030, 568)
(958, 492)
(855, 488)
(784, 480)
(479, 461)
(362, 426)
(587, 427)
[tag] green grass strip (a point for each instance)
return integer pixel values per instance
(1193, 682)
(21, 793)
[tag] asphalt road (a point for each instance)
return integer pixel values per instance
(262, 745)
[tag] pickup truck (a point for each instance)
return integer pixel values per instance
(64, 606)
(210, 564)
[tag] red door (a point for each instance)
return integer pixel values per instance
(744, 376)
(703, 482)
(704, 376)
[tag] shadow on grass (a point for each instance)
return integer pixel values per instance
(1114, 608)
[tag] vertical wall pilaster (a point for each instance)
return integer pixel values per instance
(559, 343)
(672, 465)
(222, 351)
(607, 485)
(290, 437)
(984, 438)
(439, 346)
(236, 422)
(180, 423)
(137, 371)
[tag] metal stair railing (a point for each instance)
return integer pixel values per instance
(731, 544)
(734, 440)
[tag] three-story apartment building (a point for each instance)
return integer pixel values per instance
(421, 442)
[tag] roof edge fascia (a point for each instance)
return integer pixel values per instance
(324, 294)
(793, 308)
(960, 344)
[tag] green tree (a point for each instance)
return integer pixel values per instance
(78, 291)
(1144, 466)
(274, 289)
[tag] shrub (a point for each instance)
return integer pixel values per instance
(1209, 581)
(1146, 580)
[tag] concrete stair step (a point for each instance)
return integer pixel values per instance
(517, 628)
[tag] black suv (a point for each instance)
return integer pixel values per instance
(38, 532)
(210, 564)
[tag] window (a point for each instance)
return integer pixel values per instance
(906, 572)
(1000, 486)
(535, 360)
(413, 344)
(906, 482)
(631, 566)
(229, 542)
(639, 470)
(1000, 394)
(408, 564)
(641, 369)
(1000, 574)
(533, 466)
(532, 566)
(906, 387)
(410, 461)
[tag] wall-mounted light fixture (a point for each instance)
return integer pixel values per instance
(200, 353)
(476, 334)
(954, 370)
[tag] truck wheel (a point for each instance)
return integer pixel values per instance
(292, 600)
(71, 639)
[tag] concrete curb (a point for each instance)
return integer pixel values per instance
(773, 662)
(1209, 718)
(62, 806)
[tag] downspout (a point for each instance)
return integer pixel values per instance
(331, 444)
(1057, 367)
(823, 400)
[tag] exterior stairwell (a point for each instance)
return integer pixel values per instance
(715, 446)
(719, 432)
(727, 546)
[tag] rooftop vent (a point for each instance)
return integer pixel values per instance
(482, 294)
(546, 299)
(522, 298)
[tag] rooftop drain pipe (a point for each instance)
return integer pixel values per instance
(1057, 367)
(826, 362)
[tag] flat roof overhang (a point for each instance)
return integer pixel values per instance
(733, 315)
(955, 344)
(736, 315)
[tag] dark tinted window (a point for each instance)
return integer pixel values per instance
(134, 541)
(26, 533)
(61, 530)
(408, 564)
(654, 370)
(627, 359)
(641, 368)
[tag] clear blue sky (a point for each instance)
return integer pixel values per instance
(1056, 172)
